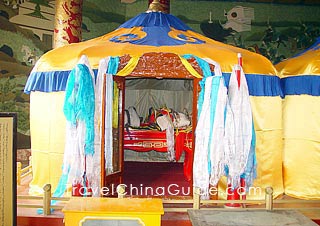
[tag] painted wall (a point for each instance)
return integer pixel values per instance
(273, 29)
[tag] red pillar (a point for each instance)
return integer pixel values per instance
(67, 24)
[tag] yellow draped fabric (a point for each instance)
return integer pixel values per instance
(47, 129)
(129, 67)
(301, 158)
(190, 68)
(306, 64)
(301, 123)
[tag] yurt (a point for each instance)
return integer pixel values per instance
(152, 45)
(300, 83)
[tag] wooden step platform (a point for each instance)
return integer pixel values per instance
(30, 217)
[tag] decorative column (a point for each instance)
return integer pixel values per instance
(67, 24)
(160, 5)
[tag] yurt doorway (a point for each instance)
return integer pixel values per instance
(157, 136)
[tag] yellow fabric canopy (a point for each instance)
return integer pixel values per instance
(101, 47)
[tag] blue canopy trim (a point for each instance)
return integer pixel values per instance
(50, 81)
(298, 85)
(47, 81)
(258, 85)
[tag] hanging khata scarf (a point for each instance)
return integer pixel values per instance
(213, 119)
(79, 102)
(216, 145)
(79, 111)
(250, 172)
(206, 71)
(210, 151)
(108, 149)
(202, 133)
(94, 162)
(216, 153)
(239, 126)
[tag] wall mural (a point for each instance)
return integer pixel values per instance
(277, 31)
(276, 40)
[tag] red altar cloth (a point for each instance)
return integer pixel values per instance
(153, 140)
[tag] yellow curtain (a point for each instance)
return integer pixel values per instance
(47, 128)
(301, 117)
